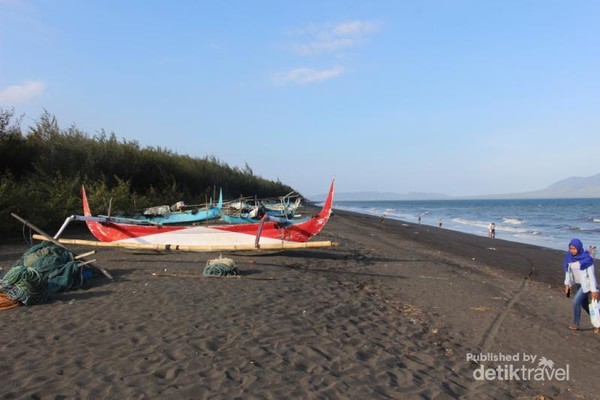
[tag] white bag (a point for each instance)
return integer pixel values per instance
(595, 313)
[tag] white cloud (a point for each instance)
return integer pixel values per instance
(22, 93)
(323, 45)
(302, 76)
(355, 28)
(333, 37)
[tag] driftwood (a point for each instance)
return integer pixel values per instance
(255, 278)
(45, 236)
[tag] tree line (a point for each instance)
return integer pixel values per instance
(43, 168)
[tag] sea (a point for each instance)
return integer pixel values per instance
(550, 223)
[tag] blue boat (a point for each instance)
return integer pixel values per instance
(174, 215)
(246, 219)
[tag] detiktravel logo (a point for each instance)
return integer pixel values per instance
(516, 367)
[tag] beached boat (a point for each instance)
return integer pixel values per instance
(171, 236)
(252, 213)
(247, 219)
(285, 205)
(174, 215)
(251, 210)
(256, 207)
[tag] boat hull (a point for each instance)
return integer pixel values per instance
(253, 233)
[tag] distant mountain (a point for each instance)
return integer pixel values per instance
(574, 187)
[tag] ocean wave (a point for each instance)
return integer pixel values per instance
(596, 220)
(584, 229)
(528, 233)
(513, 221)
(516, 231)
(392, 213)
(508, 228)
(464, 221)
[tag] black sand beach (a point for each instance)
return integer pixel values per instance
(396, 311)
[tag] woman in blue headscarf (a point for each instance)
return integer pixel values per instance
(579, 270)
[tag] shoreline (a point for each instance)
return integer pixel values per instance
(482, 248)
(397, 310)
(543, 224)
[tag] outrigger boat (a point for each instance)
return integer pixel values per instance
(265, 234)
(246, 218)
(174, 215)
(284, 206)
(251, 210)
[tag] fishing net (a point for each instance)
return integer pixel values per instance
(220, 267)
(44, 268)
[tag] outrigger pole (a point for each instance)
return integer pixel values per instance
(45, 236)
(198, 248)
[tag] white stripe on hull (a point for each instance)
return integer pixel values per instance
(199, 236)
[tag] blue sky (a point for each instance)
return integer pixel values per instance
(451, 96)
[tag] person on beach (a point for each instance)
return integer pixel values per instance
(492, 230)
(579, 270)
(592, 251)
(440, 222)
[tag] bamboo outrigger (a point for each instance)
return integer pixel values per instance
(196, 248)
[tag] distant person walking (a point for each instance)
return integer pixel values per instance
(579, 271)
(440, 222)
(419, 219)
(492, 230)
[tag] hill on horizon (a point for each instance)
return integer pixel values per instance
(570, 188)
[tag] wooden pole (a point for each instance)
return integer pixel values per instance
(38, 230)
(199, 248)
(89, 253)
(45, 236)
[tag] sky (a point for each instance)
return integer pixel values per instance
(459, 97)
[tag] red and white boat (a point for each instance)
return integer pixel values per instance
(266, 232)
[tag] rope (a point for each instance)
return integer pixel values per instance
(27, 237)
(26, 285)
(220, 267)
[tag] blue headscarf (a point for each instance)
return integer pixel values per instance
(583, 256)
